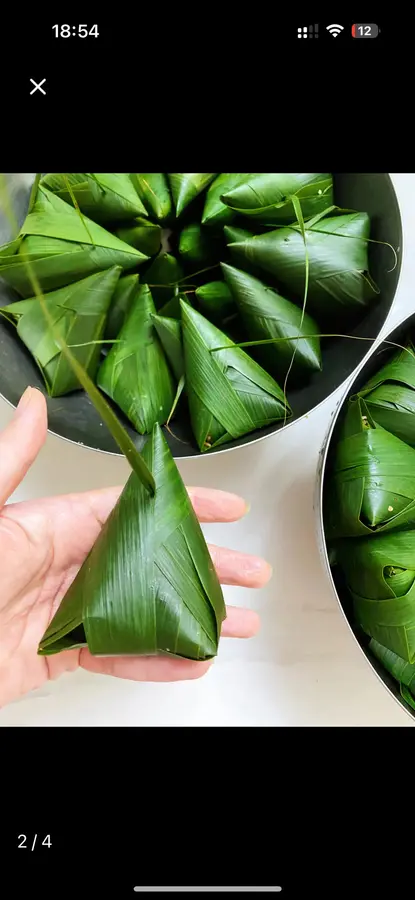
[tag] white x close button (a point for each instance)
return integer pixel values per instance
(37, 87)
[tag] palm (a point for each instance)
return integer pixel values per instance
(42, 545)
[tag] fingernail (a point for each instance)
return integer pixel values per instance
(24, 401)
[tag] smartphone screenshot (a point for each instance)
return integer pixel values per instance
(207, 452)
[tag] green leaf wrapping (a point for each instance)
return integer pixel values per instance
(143, 235)
(216, 214)
(148, 586)
(153, 189)
(162, 275)
(169, 331)
(104, 198)
(267, 197)
(197, 248)
(215, 300)
(380, 575)
(185, 188)
(234, 234)
(123, 297)
(339, 282)
(61, 247)
(171, 309)
(135, 374)
(229, 394)
(403, 672)
(371, 486)
(390, 395)
(266, 315)
(79, 314)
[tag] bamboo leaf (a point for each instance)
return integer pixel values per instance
(402, 671)
(229, 394)
(380, 575)
(171, 309)
(143, 235)
(180, 389)
(148, 587)
(197, 248)
(339, 281)
(185, 188)
(135, 373)
(104, 197)
(266, 314)
(169, 331)
(162, 275)
(153, 189)
(268, 198)
(371, 486)
(390, 395)
(234, 234)
(125, 292)
(216, 213)
(215, 301)
(79, 314)
(60, 250)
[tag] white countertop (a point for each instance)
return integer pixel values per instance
(304, 667)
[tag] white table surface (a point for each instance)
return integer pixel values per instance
(304, 668)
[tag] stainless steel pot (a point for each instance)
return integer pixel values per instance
(74, 418)
(380, 352)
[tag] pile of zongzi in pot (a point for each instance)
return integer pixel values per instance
(369, 514)
(203, 294)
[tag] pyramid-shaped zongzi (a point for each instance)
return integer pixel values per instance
(267, 197)
(104, 197)
(229, 393)
(266, 315)
(135, 374)
(216, 213)
(372, 479)
(79, 313)
(148, 587)
(339, 280)
(62, 246)
(185, 188)
(153, 189)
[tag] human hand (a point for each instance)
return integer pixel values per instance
(44, 542)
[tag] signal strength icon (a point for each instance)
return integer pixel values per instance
(335, 29)
(308, 31)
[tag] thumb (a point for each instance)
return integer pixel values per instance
(21, 441)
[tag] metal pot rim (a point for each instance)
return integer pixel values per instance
(318, 502)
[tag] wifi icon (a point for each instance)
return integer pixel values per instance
(334, 29)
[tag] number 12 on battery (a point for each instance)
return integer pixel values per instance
(365, 31)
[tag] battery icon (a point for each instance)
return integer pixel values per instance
(365, 31)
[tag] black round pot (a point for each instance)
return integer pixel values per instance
(74, 418)
(378, 357)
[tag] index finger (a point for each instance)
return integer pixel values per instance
(217, 506)
(209, 505)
